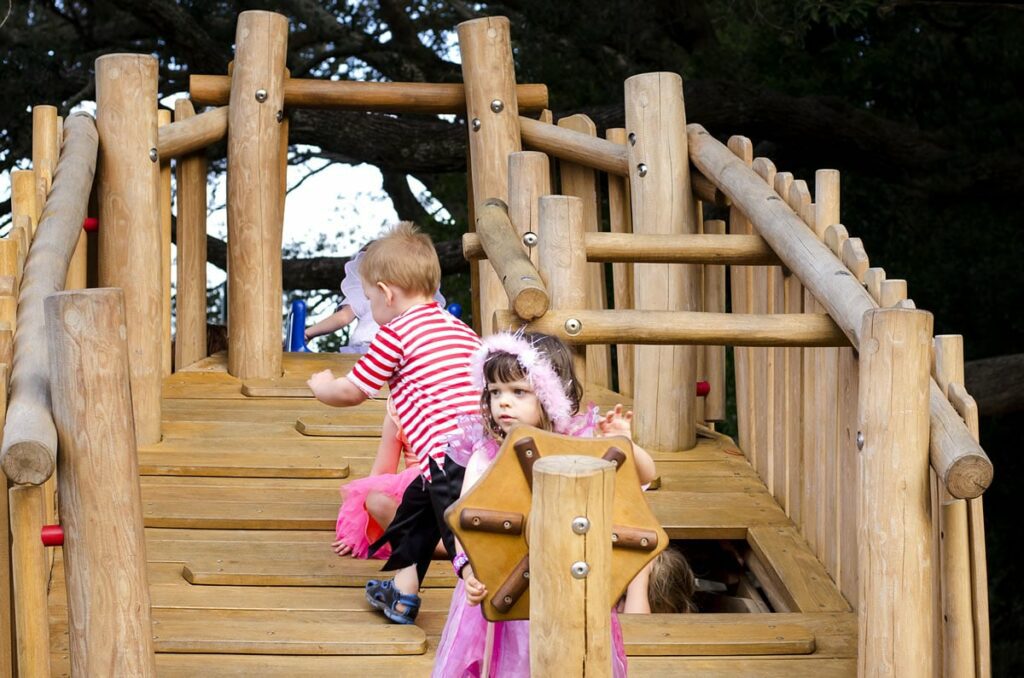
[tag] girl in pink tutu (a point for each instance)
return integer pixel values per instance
(525, 379)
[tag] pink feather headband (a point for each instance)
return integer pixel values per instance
(547, 385)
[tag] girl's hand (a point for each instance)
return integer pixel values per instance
(341, 548)
(615, 423)
(320, 381)
(475, 589)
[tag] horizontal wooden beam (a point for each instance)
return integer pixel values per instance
(192, 134)
(566, 144)
(682, 327)
(661, 249)
(527, 294)
(382, 97)
(957, 458)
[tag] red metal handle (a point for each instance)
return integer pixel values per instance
(703, 388)
(91, 224)
(52, 535)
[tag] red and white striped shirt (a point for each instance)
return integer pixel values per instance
(423, 355)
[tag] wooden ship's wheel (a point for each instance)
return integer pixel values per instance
(491, 520)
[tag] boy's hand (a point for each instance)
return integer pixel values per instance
(320, 381)
(615, 423)
(475, 589)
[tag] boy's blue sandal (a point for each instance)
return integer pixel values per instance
(384, 596)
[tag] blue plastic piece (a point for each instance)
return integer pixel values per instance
(296, 342)
(455, 309)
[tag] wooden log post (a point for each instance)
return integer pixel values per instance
(192, 133)
(619, 223)
(522, 284)
(163, 119)
(129, 209)
(959, 461)
(581, 181)
(190, 328)
(954, 538)
(28, 454)
(529, 178)
(30, 576)
(742, 301)
(6, 589)
(714, 356)
(662, 202)
(492, 112)
(101, 501)
(895, 542)
(45, 151)
(570, 573)
(563, 261)
(254, 196)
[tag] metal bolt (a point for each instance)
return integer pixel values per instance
(529, 454)
(507, 525)
(280, 115)
(580, 569)
(474, 124)
(530, 239)
(641, 169)
(615, 537)
(497, 106)
(632, 138)
(860, 440)
(508, 600)
(261, 95)
(643, 541)
(526, 574)
(580, 525)
(573, 327)
(154, 155)
(476, 522)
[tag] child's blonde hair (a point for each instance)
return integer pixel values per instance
(671, 585)
(403, 257)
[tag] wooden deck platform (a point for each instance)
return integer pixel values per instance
(240, 499)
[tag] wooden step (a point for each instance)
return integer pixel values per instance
(204, 460)
(240, 493)
(247, 666)
(242, 515)
(790, 573)
(336, 425)
(695, 635)
(290, 387)
(281, 632)
(245, 571)
(731, 667)
(310, 553)
(700, 515)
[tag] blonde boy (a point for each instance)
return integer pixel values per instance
(422, 352)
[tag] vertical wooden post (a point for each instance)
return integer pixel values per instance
(896, 605)
(529, 178)
(563, 259)
(101, 503)
(742, 302)
(254, 195)
(565, 602)
(31, 576)
(163, 117)
(954, 547)
(714, 361)
(492, 111)
(128, 175)
(24, 200)
(581, 182)
(45, 151)
(190, 333)
(6, 589)
(662, 202)
(619, 221)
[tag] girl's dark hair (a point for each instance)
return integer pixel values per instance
(501, 367)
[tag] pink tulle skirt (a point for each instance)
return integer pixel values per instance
(355, 527)
(460, 653)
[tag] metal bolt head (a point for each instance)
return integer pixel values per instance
(860, 440)
(573, 327)
(154, 155)
(641, 169)
(497, 106)
(580, 569)
(632, 138)
(261, 95)
(474, 124)
(507, 525)
(530, 239)
(280, 115)
(476, 522)
(580, 525)
(529, 454)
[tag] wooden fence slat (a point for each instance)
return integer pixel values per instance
(741, 286)
(619, 221)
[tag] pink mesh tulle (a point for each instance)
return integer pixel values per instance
(460, 654)
(355, 527)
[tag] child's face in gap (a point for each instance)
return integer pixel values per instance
(514, 403)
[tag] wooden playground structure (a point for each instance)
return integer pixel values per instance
(198, 501)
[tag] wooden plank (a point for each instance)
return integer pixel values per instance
(238, 463)
(284, 666)
(280, 632)
(336, 572)
(245, 493)
(253, 515)
(699, 515)
(619, 221)
(695, 635)
(804, 580)
(332, 425)
(742, 302)
(731, 667)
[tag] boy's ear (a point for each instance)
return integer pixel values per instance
(385, 289)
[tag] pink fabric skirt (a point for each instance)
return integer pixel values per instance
(460, 654)
(355, 527)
